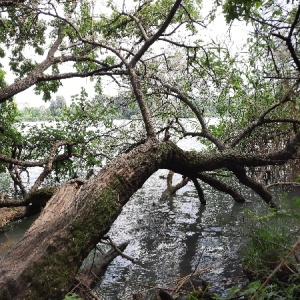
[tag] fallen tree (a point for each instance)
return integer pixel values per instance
(78, 216)
(188, 79)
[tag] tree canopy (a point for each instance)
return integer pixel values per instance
(165, 64)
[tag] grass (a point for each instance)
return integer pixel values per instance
(271, 238)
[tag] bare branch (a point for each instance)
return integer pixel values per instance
(221, 186)
(205, 132)
(154, 38)
(48, 167)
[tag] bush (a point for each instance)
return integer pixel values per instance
(271, 238)
(72, 297)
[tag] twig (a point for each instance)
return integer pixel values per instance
(294, 249)
(118, 250)
(282, 183)
(186, 278)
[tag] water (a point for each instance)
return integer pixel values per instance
(172, 239)
(14, 232)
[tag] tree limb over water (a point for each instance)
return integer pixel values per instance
(257, 118)
(86, 213)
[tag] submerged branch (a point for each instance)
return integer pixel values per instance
(222, 187)
(241, 174)
(199, 191)
(89, 277)
(172, 189)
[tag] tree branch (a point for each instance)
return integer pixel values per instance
(152, 39)
(23, 84)
(261, 119)
(258, 188)
(199, 191)
(205, 132)
(288, 39)
(222, 187)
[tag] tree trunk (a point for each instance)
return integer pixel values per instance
(43, 264)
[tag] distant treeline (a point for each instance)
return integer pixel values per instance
(33, 114)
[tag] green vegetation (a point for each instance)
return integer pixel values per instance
(257, 291)
(34, 114)
(270, 242)
(72, 297)
(162, 62)
(271, 238)
(10, 138)
(57, 105)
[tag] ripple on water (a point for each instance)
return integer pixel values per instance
(171, 239)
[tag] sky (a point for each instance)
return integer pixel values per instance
(69, 88)
(73, 86)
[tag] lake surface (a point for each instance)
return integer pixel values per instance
(172, 239)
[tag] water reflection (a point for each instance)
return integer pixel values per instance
(14, 232)
(172, 239)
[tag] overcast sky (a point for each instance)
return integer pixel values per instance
(73, 86)
(69, 88)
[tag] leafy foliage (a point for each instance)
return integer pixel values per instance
(57, 105)
(271, 237)
(256, 291)
(72, 297)
(240, 8)
(34, 114)
(87, 124)
(10, 138)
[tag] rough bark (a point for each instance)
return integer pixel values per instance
(45, 261)
(13, 210)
